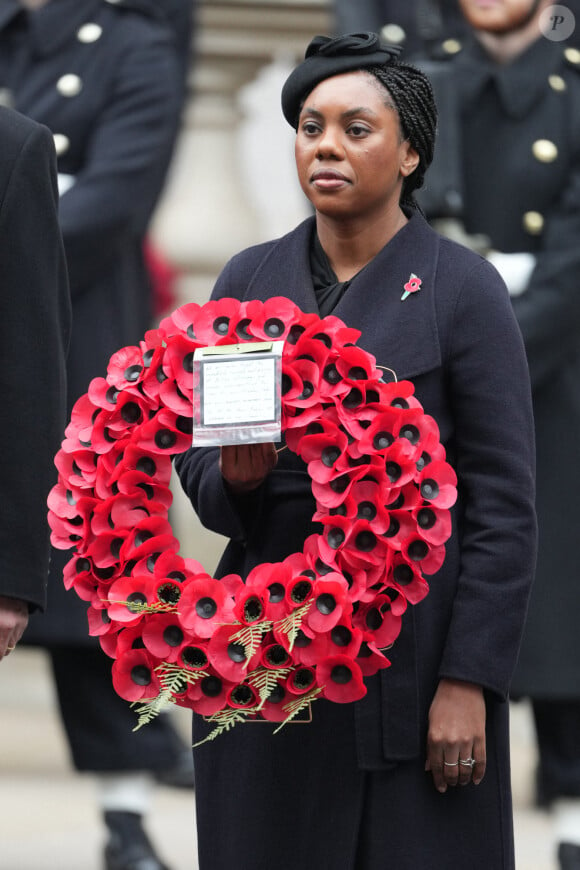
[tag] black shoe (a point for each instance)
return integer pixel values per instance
(569, 856)
(180, 775)
(129, 847)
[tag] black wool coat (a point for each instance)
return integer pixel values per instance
(455, 339)
(519, 148)
(34, 334)
(107, 79)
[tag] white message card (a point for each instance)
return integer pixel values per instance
(236, 395)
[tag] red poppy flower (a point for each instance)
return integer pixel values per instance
(322, 454)
(300, 379)
(102, 626)
(381, 619)
(176, 391)
(78, 433)
(370, 658)
(272, 319)
(126, 369)
(250, 607)
(134, 676)
(102, 394)
(438, 484)
(127, 596)
(242, 697)
(412, 286)
(340, 679)
(269, 581)
(193, 655)
(216, 322)
(149, 535)
(72, 531)
(209, 695)
(273, 708)
(111, 426)
(355, 364)
(204, 605)
(228, 655)
(165, 637)
(181, 320)
(427, 557)
(77, 468)
(275, 656)
(407, 578)
(329, 603)
(167, 433)
(301, 680)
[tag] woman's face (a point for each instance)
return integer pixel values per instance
(350, 156)
(500, 16)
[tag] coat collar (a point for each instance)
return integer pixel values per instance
(52, 26)
(372, 304)
(520, 84)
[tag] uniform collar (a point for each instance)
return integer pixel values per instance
(520, 84)
(53, 25)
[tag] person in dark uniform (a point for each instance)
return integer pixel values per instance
(107, 78)
(34, 335)
(372, 784)
(414, 25)
(516, 143)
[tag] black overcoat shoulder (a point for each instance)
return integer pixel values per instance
(107, 80)
(34, 334)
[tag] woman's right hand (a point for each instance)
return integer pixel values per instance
(244, 466)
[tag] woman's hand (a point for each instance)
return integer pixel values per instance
(456, 735)
(244, 466)
(13, 621)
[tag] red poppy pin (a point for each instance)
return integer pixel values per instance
(412, 286)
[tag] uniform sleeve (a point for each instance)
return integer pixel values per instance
(494, 457)
(34, 329)
(127, 159)
(548, 312)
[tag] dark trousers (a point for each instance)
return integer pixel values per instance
(558, 734)
(99, 724)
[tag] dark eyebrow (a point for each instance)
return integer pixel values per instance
(350, 113)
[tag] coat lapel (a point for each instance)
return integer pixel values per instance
(401, 334)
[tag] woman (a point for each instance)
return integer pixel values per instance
(348, 789)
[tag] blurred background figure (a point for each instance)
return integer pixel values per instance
(34, 334)
(415, 25)
(108, 79)
(506, 181)
(418, 26)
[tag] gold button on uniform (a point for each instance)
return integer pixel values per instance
(393, 33)
(61, 144)
(69, 85)
(533, 223)
(572, 55)
(89, 32)
(544, 150)
(557, 83)
(451, 46)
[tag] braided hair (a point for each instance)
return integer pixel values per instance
(411, 92)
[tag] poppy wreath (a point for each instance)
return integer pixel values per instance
(315, 624)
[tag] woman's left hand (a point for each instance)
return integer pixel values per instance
(456, 735)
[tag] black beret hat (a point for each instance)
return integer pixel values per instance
(326, 57)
